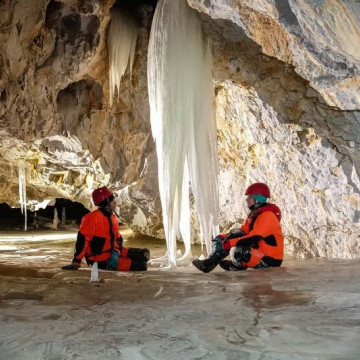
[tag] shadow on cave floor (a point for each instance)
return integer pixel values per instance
(307, 309)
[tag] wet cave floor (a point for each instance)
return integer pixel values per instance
(307, 309)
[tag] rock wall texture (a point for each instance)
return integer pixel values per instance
(55, 113)
(285, 116)
(287, 80)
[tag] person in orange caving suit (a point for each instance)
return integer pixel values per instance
(99, 239)
(259, 243)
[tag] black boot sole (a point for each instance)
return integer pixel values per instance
(200, 266)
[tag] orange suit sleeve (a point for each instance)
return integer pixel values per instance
(84, 236)
(264, 225)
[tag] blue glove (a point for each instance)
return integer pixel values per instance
(113, 261)
(217, 247)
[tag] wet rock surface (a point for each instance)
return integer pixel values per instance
(307, 309)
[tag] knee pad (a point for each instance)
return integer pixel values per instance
(242, 254)
(217, 248)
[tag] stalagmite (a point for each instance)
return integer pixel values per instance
(36, 225)
(94, 277)
(63, 217)
(121, 38)
(181, 95)
(55, 223)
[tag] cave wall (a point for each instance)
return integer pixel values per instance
(287, 101)
(55, 113)
(286, 118)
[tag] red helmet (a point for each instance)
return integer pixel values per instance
(101, 194)
(258, 189)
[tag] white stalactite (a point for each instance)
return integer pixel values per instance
(182, 111)
(122, 37)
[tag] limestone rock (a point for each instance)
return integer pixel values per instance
(274, 127)
(286, 80)
(319, 38)
(55, 112)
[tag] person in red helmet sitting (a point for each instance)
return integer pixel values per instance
(99, 239)
(259, 243)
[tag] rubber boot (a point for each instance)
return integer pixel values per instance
(138, 266)
(139, 255)
(229, 265)
(146, 253)
(214, 258)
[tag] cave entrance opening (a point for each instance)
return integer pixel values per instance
(60, 213)
(140, 8)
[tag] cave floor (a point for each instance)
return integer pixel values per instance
(308, 309)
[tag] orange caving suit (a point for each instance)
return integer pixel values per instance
(98, 236)
(263, 237)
